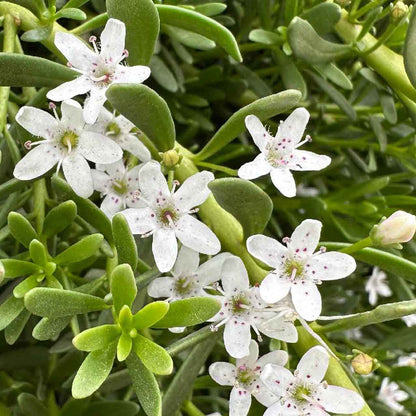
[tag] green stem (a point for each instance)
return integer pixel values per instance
(171, 177)
(388, 33)
(11, 144)
(189, 408)
(359, 245)
(228, 171)
(92, 24)
(40, 194)
(365, 9)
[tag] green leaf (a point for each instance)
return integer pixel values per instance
(59, 218)
(145, 385)
(29, 283)
(323, 17)
(153, 356)
(150, 314)
(122, 287)
(124, 347)
(124, 241)
(30, 405)
(112, 408)
(291, 76)
(56, 303)
(147, 110)
(263, 108)
(93, 371)
(210, 9)
(402, 373)
(402, 339)
(410, 49)
(96, 338)
(81, 250)
(10, 310)
(28, 357)
(37, 35)
(21, 229)
(198, 23)
(189, 312)
(71, 13)
(50, 328)
(16, 268)
(187, 38)
(265, 36)
(250, 205)
(86, 209)
(18, 70)
(163, 75)
(15, 328)
(141, 37)
(335, 75)
(38, 253)
(310, 47)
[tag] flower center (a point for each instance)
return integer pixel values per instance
(102, 74)
(300, 393)
(69, 139)
(120, 187)
(294, 269)
(184, 285)
(240, 303)
(113, 128)
(167, 215)
(246, 376)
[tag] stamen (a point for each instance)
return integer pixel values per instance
(52, 106)
(148, 234)
(286, 240)
(214, 328)
(218, 288)
(293, 275)
(256, 330)
(93, 40)
(193, 210)
(175, 183)
(308, 139)
(28, 145)
(58, 166)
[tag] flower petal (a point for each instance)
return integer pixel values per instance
(140, 220)
(187, 262)
(38, 161)
(77, 173)
(112, 40)
(278, 357)
(133, 145)
(306, 299)
(37, 122)
(98, 148)
(210, 271)
(314, 364)
(165, 249)
(274, 287)
(263, 395)
(279, 409)
(196, 235)
(258, 132)
(131, 74)
(305, 238)
(234, 276)
(266, 249)
(93, 104)
(276, 378)
(153, 184)
(112, 204)
(100, 180)
(116, 170)
(72, 115)
(251, 359)
(340, 400)
(237, 337)
(223, 373)
(283, 180)
(331, 266)
(67, 90)
(162, 287)
(294, 126)
(258, 167)
(240, 402)
(279, 328)
(305, 160)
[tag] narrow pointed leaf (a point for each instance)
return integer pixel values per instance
(96, 338)
(123, 287)
(124, 241)
(85, 248)
(59, 218)
(16, 268)
(21, 228)
(150, 314)
(10, 310)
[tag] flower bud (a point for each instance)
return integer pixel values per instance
(400, 227)
(398, 12)
(362, 364)
(171, 158)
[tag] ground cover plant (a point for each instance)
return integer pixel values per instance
(207, 208)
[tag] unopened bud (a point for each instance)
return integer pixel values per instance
(400, 227)
(398, 12)
(171, 158)
(362, 364)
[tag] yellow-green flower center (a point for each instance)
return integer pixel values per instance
(294, 268)
(113, 128)
(69, 139)
(120, 187)
(301, 392)
(183, 285)
(240, 303)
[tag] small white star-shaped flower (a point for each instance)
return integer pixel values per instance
(297, 269)
(167, 215)
(119, 185)
(279, 155)
(304, 393)
(376, 285)
(98, 68)
(390, 394)
(245, 379)
(407, 361)
(243, 309)
(119, 129)
(66, 143)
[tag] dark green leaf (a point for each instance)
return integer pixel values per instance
(291, 76)
(37, 35)
(15, 328)
(402, 373)
(122, 287)
(335, 75)
(323, 17)
(124, 241)
(10, 310)
(112, 408)
(187, 38)
(162, 74)
(21, 228)
(31, 405)
(410, 49)
(81, 250)
(28, 357)
(59, 218)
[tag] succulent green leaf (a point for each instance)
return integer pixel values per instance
(410, 49)
(18, 70)
(310, 47)
(10, 310)
(150, 314)
(124, 347)
(124, 241)
(71, 13)
(291, 76)
(145, 109)
(81, 250)
(29, 283)
(122, 287)
(145, 385)
(335, 75)
(210, 9)
(30, 405)
(263, 108)
(93, 371)
(15, 328)
(125, 318)
(16, 268)
(140, 38)
(163, 75)
(189, 39)
(56, 303)
(96, 338)
(153, 356)
(198, 23)
(250, 205)
(402, 373)
(21, 229)
(265, 36)
(323, 17)
(38, 253)
(50, 328)
(59, 218)
(188, 312)
(37, 35)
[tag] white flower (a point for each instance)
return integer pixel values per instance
(304, 393)
(98, 69)
(410, 320)
(391, 395)
(297, 269)
(119, 129)
(376, 285)
(407, 361)
(279, 155)
(243, 309)
(119, 185)
(66, 143)
(245, 379)
(167, 215)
